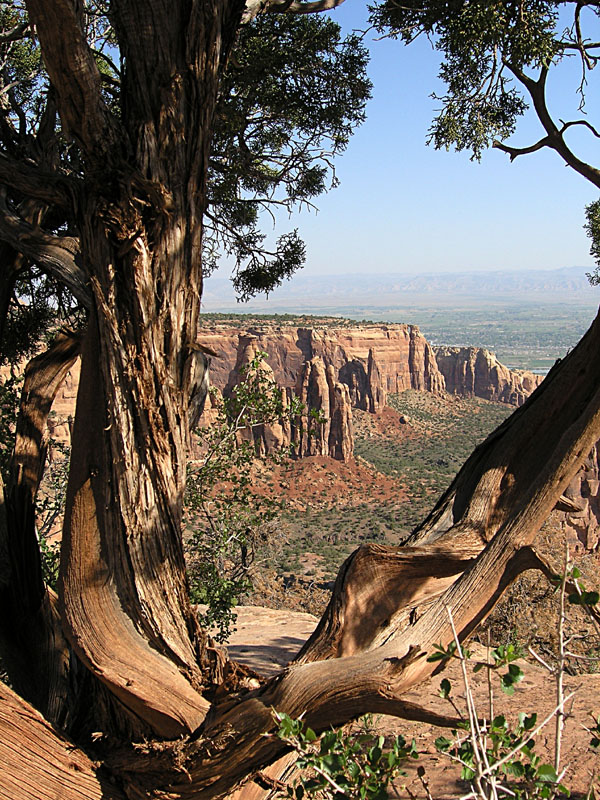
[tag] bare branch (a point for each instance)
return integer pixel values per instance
(566, 125)
(513, 152)
(15, 33)
(554, 139)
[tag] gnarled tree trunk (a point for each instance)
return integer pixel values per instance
(168, 716)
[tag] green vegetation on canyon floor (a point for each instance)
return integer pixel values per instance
(401, 468)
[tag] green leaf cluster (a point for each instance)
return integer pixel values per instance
(293, 94)
(481, 43)
(343, 765)
(512, 745)
(592, 228)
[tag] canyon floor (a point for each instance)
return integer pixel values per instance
(404, 458)
(267, 639)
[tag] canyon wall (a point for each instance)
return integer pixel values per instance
(334, 369)
(475, 372)
(371, 360)
(324, 428)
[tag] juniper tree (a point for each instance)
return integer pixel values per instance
(112, 204)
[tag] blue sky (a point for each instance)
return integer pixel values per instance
(405, 207)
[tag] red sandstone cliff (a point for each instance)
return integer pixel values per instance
(475, 372)
(325, 426)
(370, 360)
(335, 368)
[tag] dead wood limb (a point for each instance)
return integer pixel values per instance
(567, 505)
(379, 588)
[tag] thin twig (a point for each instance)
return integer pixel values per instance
(476, 736)
(533, 733)
(560, 669)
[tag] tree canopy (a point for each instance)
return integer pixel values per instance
(293, 92)
(289, 102)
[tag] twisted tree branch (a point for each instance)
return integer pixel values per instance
(58, 255)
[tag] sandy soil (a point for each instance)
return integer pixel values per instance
(267, 639)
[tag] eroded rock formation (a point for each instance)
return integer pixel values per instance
(371, 360)
(335, 369)
(475, 372)
(325, 426)
(582, 524)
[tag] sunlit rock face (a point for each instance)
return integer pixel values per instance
(336, 368)
(371, 360)
(475, 372)
(324, 428)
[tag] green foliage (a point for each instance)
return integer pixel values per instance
(38, 307)
(293, 93)
(592, 228)
(488, 53)
(343, 765)
(481, 44)
(503, 656)
(529, 777)
(595, 731)
(506, 749)
(50, 558)
(580, 596)
(228, 518)
(10, 391)
(50, 509)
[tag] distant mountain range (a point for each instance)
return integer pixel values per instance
(306, 292)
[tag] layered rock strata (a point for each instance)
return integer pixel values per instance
(370, 360)
(475, 372)
(324, 428)
(336, 368)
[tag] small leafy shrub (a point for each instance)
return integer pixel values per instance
(229, 520)
(343, 765)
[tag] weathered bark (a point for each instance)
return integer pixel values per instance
(33, 650)
(124, 599)
(37, 763)
(59, 256)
